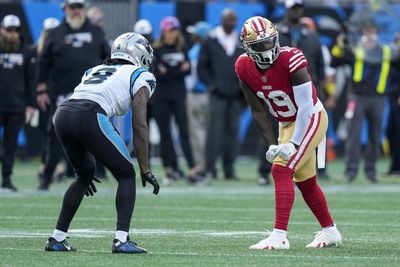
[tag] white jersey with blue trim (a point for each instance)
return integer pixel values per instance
(113, 86)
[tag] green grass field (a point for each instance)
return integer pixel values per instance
(203, 225)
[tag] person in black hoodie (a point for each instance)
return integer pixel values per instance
(16, 94)
(70, 49)
(172, 65)
(216, 68)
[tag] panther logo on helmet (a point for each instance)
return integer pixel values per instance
(260, 39)
(134, 48)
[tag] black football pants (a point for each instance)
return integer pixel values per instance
(83, 134)
(11, 123)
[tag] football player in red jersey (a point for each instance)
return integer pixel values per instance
(277, 78)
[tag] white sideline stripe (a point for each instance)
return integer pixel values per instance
(250, 254)
(203, 209)
(228, 191)
(104, 219)
(91, 233)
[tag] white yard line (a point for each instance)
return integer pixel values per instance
(266, 254)
(229, 190)
(92, 233)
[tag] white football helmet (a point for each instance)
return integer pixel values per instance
(260, 39)
(134, 48)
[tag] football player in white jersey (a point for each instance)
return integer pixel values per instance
(83, 127)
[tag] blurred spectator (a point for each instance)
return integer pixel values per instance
(95, 16)
(393, 130)
(383, 13)
(216, 68)
(328, 85)
(70, 49)
(294, 33)
(16, 90)
(371, 66)
(197, 96)
(144, 27)
(169, 100)
(43, 120)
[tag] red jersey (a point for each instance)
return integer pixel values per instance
(273, 86)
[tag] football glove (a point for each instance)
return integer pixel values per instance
(92, 188)
(286, 151)
(149, 177)
(271, 153)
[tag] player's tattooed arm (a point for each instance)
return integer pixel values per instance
(260, 115)
(140, 128)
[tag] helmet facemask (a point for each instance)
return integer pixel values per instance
(261, 45)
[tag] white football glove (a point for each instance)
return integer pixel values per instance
(271, 153)
(286, 151)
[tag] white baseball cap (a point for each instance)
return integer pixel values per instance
(70, 2)
(73, 2)
(50, 23)
(143, 26)
(292, 3)
(11, 21)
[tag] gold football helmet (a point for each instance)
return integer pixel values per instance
(260, 39)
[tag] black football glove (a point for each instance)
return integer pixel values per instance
(92, 188)
(149, 177)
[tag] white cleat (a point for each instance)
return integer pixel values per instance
(326, 238)
(273, 241)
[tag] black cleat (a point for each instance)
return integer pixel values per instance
(54, 245)
(9, 187)
(126, 247)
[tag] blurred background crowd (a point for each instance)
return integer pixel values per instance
(198, 112)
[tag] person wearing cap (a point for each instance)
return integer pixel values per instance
(197, 99)
(143, 27)
(169, 101)
(16, 90)
(218, 54)
(95, 16)
(293, 33)
(371, 65)
(71, 48)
